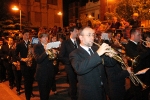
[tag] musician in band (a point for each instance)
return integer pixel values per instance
(27, 71)
(66, 48)
(6, 49)
(45, 68)
(2, 68)
(133, 50)
(87, 61)
(115, 74)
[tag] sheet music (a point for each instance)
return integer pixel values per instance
(104, 36)
(142, 71)
(53, 45)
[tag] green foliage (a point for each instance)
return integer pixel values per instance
(126, 8)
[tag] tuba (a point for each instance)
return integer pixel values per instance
(136, 81)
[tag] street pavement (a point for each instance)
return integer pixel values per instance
(62, 88)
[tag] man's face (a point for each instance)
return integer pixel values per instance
(44, 40)
(54, 39)
(87, 37)
(75, 33)
(10, 41)
(114, 19)
(110, 35)
(26, 36)
(137, 36)
(118, 36)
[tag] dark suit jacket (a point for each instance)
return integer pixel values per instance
(116, 81)
(90, 73)
(133, 50)
(1, 55)
(66, 48)
(45, 67)
(6, 53)
(21, 51)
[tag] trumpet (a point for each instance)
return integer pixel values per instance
(136, 81)
(145, 43)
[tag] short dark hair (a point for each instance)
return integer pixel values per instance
(145, 35)
(82, 28)
(133, 30)
(25, 31)
(42, 34)
(71, 29)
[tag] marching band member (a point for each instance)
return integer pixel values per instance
(45, 69)
(22, 51)
(88, 64)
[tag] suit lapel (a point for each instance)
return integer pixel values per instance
(83, 52)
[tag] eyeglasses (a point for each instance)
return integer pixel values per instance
(89, 35)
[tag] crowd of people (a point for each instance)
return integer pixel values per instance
(96, 61)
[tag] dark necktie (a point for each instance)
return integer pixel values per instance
(75, 44)
(91, 52)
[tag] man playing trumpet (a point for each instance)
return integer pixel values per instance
(88, 62)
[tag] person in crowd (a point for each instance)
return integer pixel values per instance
(116, 75)
(135, 22)
(2, 68)
(87, 61)
(115, 24)
(45, 69)
(7, 60)
(24, 55)
(146, 64)
(123, 24)
(107, 37)
(133, 50)
(67, 46)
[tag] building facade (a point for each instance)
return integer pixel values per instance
(91, 9)
(42, 13)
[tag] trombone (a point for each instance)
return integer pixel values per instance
(136, 81)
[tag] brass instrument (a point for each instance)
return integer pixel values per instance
(52, 56)
(30, 55)
(145, 43)
(136, 81)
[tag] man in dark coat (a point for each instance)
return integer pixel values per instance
(6, 49)
(133, 51)
(88, 64)
(45, 68)
(2, 68)
(22, 50)
(66, 48)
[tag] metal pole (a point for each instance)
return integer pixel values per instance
(20, 21)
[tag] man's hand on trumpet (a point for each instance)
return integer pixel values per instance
(105, 49)
(129, 69)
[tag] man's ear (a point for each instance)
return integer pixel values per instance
(80, 37)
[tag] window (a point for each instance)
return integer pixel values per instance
(53, 2)
(37, 0)
(98, 16)
(49, 1)
(38, 17)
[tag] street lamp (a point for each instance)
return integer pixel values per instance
(16, 9)
(60, 14)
